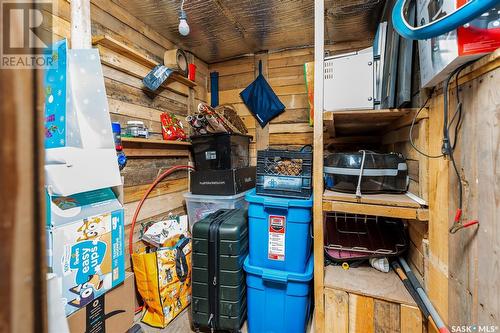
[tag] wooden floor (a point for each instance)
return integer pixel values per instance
(182, 324)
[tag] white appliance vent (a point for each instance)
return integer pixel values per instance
(328, 69)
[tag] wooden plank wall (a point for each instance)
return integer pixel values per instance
(128, 100)
(234, 76)
(464, 268)
(396, 139)
(285, 74)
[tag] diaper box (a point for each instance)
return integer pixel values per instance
(85, 245)
(111, 312)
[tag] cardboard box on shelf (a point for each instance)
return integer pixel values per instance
(112, 312)
(441, 55)
(85, 245)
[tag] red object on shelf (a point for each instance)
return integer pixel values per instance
(171, 127)
(192, 72)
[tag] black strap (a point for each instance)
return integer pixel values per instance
(181, 266)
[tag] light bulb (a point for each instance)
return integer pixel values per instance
(183, 25)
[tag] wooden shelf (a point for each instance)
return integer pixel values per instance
(359, 122)
(126, 140)
(139, 147)
(130, 53)
(367, 281)
(389, 205)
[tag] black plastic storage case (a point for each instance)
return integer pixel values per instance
(382, 173)
(221, 151)
(220, 245)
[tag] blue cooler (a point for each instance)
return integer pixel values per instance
(280, 232)
(278, 301)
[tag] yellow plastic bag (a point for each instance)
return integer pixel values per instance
(163, 279)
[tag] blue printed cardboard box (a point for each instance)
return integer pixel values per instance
(55, 96)
(85, 248)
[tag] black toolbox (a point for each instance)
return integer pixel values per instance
(221, 151)
(222, 182)
(220, 245)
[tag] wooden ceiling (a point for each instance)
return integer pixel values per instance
(224, 29)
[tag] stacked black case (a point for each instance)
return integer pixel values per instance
(222, 164)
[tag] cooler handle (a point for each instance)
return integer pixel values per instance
(270, 203)
(274, 278)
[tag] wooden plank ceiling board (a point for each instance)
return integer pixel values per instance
(224, 29)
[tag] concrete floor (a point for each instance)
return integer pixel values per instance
(182, 324)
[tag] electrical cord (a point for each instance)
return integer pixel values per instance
(413, 125)
(458, 112)
(449, 145)
(448, 148)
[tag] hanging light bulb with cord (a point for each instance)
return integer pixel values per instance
(183, 25)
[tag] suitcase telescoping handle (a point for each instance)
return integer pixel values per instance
(275, 203)
(278, 278)
(218, 213)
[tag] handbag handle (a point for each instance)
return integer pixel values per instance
(181, 265)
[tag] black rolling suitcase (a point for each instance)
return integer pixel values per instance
(220, 245)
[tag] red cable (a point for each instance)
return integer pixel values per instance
(139, 206)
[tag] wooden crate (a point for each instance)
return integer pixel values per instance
(363, 300)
